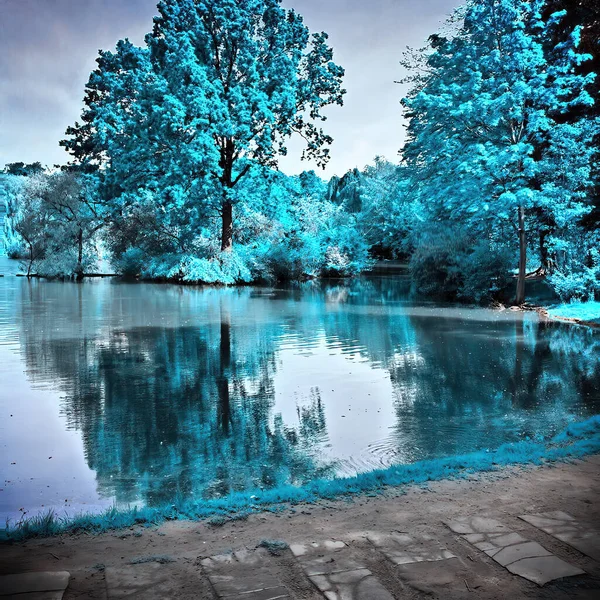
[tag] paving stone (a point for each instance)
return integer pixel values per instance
(359, 584)
(43, 585)
(336, 573)
(510, 554)
(511, 550)
(246, 575)
(569, 530)
(425, 564)
(543, 569)
(441, 579)
(325, 557)
(464, 525)
(402, 549)
(153, 581)
(312, 547)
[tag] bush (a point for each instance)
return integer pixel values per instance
(451, 264)
(16, 250)
(131, 262)
(576, 273)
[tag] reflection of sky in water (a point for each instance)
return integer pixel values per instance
(143, 393)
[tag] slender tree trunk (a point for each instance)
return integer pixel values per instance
(30, 259)
(226, 163)
(544, 259)
(79, 267)
(522, 258)
(227, 232)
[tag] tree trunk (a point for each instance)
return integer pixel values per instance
(30, 259)
(522, 258)
(544, 258)
(227, 232)
(79, 267)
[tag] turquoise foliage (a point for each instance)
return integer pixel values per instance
(174, 127)
(497, 124)
(285, 228)
(181, 138)
(580, 311)
(10, 188)
(51, 222)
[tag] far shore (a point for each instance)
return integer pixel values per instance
(580, 313)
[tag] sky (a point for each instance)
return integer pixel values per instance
(48, 49)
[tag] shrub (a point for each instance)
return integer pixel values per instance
(576, 273)
(452, 264)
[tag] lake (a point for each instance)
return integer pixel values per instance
(140, 393)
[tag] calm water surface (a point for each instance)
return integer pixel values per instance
(143, 393)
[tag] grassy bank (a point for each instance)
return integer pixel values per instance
(579, 312)
(577, 441)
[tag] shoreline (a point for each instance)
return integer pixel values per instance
(578, 440)
(175, 550)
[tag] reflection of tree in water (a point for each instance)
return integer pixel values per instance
(180, 412)
(479, 385)
(188, 410)
(463, 379)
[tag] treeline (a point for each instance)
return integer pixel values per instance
(286, 228)
(174, 171)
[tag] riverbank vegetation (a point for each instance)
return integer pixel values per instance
(577, 441)
(174, 173)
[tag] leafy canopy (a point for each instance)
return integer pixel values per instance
(219, 86)
(487, 129)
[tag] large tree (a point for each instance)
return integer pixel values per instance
(219, 86)
(489, 146)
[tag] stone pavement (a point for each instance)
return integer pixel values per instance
(44, 585)
(244, 575)
(337, 573)
(568, 530)
(418, 563)
(156, 581)
(436, 562)
(511, 550)
(424, 563)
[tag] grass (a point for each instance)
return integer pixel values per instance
(581, 311)
(577, 441)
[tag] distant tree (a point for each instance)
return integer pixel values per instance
(219, 86)
(378, 197)
(10, 190)
(488, 145)
(389, 211)
(23, 169)
(347, 190)
(30, 221)
(58, 216)
(72, 203)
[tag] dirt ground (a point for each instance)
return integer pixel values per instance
(573, 488)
